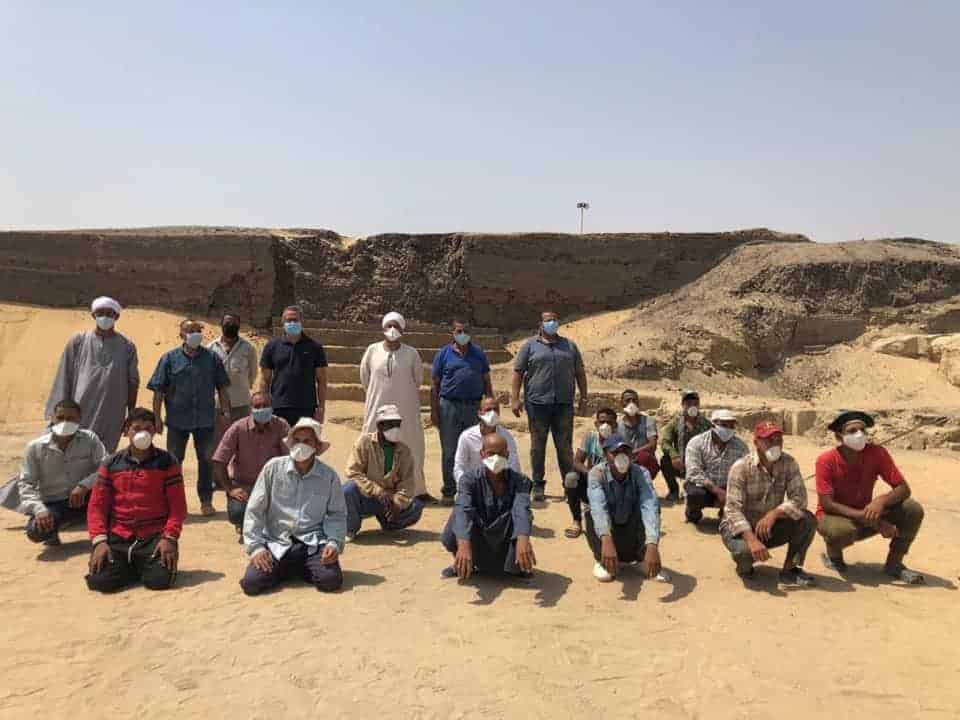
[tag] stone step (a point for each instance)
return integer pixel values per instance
(362, 338)
(339, 354)
(350, 374)
(377, 328)
(354, 392)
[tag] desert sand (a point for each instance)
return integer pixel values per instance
(400, 641)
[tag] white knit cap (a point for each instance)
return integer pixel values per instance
(394, 316)
(105, 302)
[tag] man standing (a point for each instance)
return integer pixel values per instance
(461, 377)
(380, 477)
(239, 358)
(293, 369)
(549, 366)
(391, 373)
(766, 507)
(59, 468)
(136, 513)
(98, 370)
(469, 458)
(489, 529)
(623, 525)
(185, 381)
(676, 434)
(709, 458)
(245, 448)
(296, 519)
(589, 454)
(848, 512)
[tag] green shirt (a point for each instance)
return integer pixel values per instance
(387, 458)
(673, 443)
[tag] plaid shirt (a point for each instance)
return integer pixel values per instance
(752, 492)
(706, 463)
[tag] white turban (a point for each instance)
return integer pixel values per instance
(105, 302)
(394, 316)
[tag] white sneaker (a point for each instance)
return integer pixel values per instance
(349, 538)
(601, 574)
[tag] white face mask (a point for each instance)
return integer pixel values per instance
(856, 441)
(490, 418)
(693, 411)
(723, 433)
(105, 322)
(495, 463)
(193, 340)
(142, 440)
(392, 435)
(392, 334)
(773, 453)
(632, 409)
(622, 463)
(65, 428)
(605, 430)
(301, 452)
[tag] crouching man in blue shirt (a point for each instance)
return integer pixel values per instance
(623, 524)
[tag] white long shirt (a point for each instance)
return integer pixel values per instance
(468, 457)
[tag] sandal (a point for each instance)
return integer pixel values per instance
(574, 531)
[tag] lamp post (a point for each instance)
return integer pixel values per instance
(582, 207)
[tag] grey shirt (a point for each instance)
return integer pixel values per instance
(639, 434)
(50, 474)
(241, 364)
(549, 370)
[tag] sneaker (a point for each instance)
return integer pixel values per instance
(448, 572)
(53, 540)
(447, 500)
(904, 574)
(694, 517)
(349, 538)
(796, 577)
(834, 563)
(601, 574)
(538, 493)
(207, 509)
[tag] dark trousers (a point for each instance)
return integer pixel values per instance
(132, 560)
(235, 512)
(63, 515)
(576, 496)
(494, 549)
(203, 446)
(698, 498)
(839, 532)
(556, 420)
(796, 534)
(670, 474)
(291, 415)
(455, 417)
(629, 538)
(297, 562)
(359, 506)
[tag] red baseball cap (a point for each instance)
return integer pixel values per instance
(767, 429)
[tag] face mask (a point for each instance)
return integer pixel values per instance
(302, 452)
(622, 463)
(631, 409)
(490, 418)
(65, 428)
(605, 430)
(392, 334)
(193, 340)
(693, 411)
(392, 435)
(231, 331)
(293, 328)
(461, 339)
(773, 453)
(550, 327)
(105, 322)
(142, 440)
(723, 433)
(262, 415)
(495, 463)
(856, 441)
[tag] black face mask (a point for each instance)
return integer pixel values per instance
(231, 331)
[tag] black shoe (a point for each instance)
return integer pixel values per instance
(428, 499)
(538, 493)
(904, 574)
(448, 572)
(796, 577)
(447, 500)
(694, 517)
(746, 574)
(53, 540)
(836, 563)
(672, 498)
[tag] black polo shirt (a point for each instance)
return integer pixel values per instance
(294, 368)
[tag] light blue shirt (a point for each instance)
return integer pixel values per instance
(610, 499)
(285, 506)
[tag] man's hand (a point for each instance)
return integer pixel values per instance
(99, 556)
(678, 464)
(159, 426)
(582, 406)
(721, 495)
(525, 557)
(167, 552)
(887, 529)
(651, 559)
(608, 555)
(263, 561)
(239, 494)
(318, 414)
(764, 528)
(435, 418)
(329, 555)
(463, 561)
(516, 406)
(873, 511)
(758, 550)
(78, 496)
(389, 505)
(43, 521)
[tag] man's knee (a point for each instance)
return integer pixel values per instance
(34, 534)
(106, 581)
(157, 577)
(329, 578)
(837, 532)
(911, 517)
(235, 512)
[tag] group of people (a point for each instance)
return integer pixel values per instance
(259, 436)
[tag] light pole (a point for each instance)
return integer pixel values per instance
(582, 207)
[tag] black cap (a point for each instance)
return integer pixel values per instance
(689, 395)
(846, 416)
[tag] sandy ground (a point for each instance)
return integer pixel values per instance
(400, 640)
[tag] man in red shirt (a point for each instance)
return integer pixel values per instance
(136, 513)
(848, 512)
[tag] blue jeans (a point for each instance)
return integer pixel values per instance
(455, 417)
(203, 439)
(359, 506)
(557, 420)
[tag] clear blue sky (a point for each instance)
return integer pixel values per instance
(840, 120)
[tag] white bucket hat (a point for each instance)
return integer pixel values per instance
(388, 412)
(722, 415)
(307, 422)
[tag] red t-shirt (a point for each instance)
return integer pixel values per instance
(852, 485)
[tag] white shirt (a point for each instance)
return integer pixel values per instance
(468, 451)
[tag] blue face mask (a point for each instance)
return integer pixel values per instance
(292, 328)
(262, 415)
(550, 327)
(461, 339)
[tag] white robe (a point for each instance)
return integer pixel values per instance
(394, 378)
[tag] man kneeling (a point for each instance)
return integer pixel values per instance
(296, 519)
(381, 478)
(136, 513)
(489, 529)
(623, 524)
(766, 507)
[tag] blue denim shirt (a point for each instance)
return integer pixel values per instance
(604, 500)
(549, 370)
(477, 505)
(189, 385)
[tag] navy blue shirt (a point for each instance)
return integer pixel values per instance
(478, 507)
(188, 385)
(294, 367)
(461, 377)
(549, 370)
